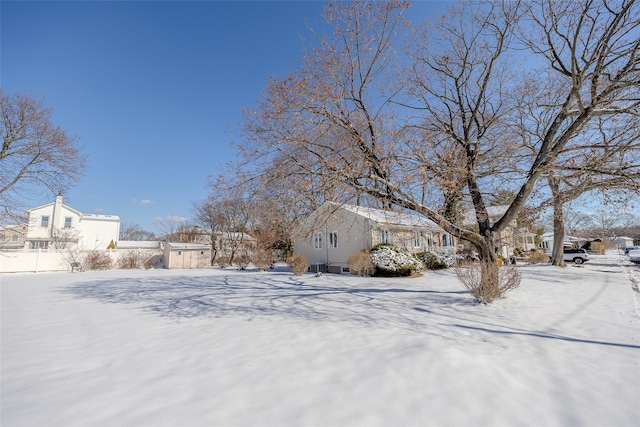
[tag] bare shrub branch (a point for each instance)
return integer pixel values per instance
(480, 279)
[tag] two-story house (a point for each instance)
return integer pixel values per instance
(58, 226)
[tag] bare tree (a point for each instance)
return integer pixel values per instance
(208, 217)
(606, 160)
(462, 124)
(64, 238)
(135, 232)
(278, 202)
(170, 227)
(228, 214)
(604, 223)
(35, 155)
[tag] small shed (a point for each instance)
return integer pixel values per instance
(187, 255)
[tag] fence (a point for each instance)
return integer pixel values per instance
(39, 260)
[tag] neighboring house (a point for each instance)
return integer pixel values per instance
(58, 226)
(329, 236)
(224, 243)
(510, 238)
(229, 242)
(624, 242)
(13, 237)
(187, 255)
(569, 242)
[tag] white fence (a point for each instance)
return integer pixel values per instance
(60, 260)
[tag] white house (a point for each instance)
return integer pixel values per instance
(569, 242)
(58, 226)
(624, 242)
(334, 232)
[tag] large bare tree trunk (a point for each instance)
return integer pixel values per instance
(557, 254)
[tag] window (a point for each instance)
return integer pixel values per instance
(179, 252)
(317, 241)
(67, 222)
(14, 237)
(44, 222)
(383, 236)
(417, 239)
(1, 237)
(333, 240)
(38, 245)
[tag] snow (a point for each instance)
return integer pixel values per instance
(381, 216)
(245, 348)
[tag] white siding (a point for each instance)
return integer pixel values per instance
(97, 232)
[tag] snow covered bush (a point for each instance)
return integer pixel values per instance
(390, 261)
(360, 263)
(298, 264)
(432, 260)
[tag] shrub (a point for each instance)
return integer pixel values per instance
(390, 261)
(242, 261)
(131, 260)
(487, 281)
(97, 260)
(223, 261)
(360, 263)
(155, 261)
(432, 260)
(599, 247)
(536, 257)
(298, 264)
(263, 259)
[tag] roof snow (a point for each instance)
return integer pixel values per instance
(389, 217)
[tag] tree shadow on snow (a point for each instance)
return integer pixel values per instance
(277, 294)
(546, 335)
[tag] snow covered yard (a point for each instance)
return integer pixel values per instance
(233, 348)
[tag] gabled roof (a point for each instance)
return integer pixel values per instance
(94, 217)
(384, 217)
(75, 211)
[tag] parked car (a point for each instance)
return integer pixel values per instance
(634, 256)
(630, 248)
(577, 256)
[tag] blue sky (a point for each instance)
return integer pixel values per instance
(153, 89)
